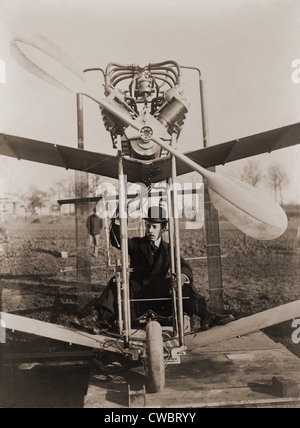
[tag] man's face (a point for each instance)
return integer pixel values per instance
(153, 231)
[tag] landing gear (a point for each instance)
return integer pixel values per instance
(155, 357)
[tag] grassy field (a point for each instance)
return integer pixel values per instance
(37, 282)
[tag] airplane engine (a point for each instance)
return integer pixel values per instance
(154, 95)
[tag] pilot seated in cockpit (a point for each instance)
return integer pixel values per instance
(150, 262)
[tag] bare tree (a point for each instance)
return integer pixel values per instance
(277, 178)
(94, 181)
(36, 199)
(63, 189)
(252, 174)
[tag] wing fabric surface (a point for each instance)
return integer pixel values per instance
(147, 171)
(137, 171)
(253, 145)
(56, 155)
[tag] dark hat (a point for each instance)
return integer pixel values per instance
(156, 215)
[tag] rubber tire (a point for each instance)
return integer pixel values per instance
(155, 357)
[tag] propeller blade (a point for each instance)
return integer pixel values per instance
(247, 208)
(43, 58)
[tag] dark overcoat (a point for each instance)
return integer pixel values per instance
(94, 224)
(150, 277)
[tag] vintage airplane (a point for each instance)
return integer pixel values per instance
(145, 118)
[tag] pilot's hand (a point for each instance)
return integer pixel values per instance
(183, 279)
(115, 218)
(173, 282)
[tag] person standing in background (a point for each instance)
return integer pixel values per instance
(94, 224)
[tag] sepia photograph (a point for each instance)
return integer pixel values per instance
(149, 206)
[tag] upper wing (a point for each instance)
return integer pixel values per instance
(265, 142)
(52, 154)
(71, 158)
(137, 171)
(147, 171)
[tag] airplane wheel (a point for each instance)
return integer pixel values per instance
(155, 357)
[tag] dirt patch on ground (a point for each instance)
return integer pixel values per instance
(36, 281)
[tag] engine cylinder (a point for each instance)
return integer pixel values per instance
(172, 113)
(144, 84)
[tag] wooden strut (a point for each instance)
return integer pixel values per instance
(83, 263)
(211, 219)
(124, 244)
(172, 254)
(179, 304)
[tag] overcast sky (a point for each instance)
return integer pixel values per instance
(244, 48)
